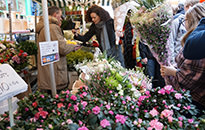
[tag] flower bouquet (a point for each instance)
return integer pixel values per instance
(10, 54)
(153, 25)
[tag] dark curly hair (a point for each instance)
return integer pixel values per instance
(103, 14)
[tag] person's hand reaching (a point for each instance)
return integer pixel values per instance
(168, 71)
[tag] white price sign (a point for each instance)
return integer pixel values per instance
(49, 52)
(11, 83)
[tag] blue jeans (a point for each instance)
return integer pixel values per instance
(151, 68)
(116, 52)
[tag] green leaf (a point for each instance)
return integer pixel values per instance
(92, 119)
(73, 126)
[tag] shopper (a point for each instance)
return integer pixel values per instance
(195, 43)
(178, 30)
(189, 74)
(60, 67)
(103, 28)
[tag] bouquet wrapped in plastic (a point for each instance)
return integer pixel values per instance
(154, 28)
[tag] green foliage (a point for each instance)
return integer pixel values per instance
(29, 47)
(78, 57)
(149, 4)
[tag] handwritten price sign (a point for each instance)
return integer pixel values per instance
(11, 83)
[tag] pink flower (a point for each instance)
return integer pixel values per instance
(156, 124)
(123, 102)
(50, 126)
(96, 110)
(190, 121)
(120, 118)
(110, 91)
(178, 105)
(161, 91)
(149, 128)
(76, 108)
(128, 98)
(170, 119)
(73, 97)
(84, 94)
(107, 106)
(56, 96)
(166, 113)
(168, 87)
(42, 96)
(111, 112)
(83, 128)
(180, 123)
(154, 112)
(69, 121)
(84, 103)
(39, 129)
(140, 120)
(178, 96)
(80, 122)
(164, 101)
(26, 109)
(104, 123)
(67, 91)
(180, 118)
(141, 98)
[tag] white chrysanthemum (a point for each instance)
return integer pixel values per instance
(121, 92)
(137, 94)
(119, 87)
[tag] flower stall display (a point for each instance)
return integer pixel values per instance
(158, 109)
(152, 21)
(10, 54)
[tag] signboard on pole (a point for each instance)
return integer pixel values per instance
(11, 83)
(49, 52)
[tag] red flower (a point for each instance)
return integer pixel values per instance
(34, 104)
(25, 54)
(2, 61)
(60, 105)
(19, 54)
(21, 51)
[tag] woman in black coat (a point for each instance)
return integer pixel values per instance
(103, 28)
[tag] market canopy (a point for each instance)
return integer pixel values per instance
(64, 3)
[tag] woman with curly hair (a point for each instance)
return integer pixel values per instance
(103, 28)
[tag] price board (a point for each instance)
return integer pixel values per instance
(11, 83)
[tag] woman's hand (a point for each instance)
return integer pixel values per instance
(168, 70)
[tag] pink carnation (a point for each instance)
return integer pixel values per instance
(154, 112)
(96, 110)
(168, 87)
(180, 118)
(111, 112)
(123, 102)
(76, 108)
(73, 97)
(180, 123)
(83, 128)
(178, 96)
(69, 121)
(190, 121)
(156, 124)
(107, 106)
(84, 103)
(161, 91)
(166, 113)
(120, 118)
(104, 123)
(170, 119)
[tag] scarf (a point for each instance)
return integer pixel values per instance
(105, 43)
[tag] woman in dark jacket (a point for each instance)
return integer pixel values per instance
(103, 28)
(195, 43)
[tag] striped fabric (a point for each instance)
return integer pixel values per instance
(64, 3)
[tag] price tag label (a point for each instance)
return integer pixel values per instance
(49, 52)
(11, 83)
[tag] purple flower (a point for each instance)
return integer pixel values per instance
(104, 123)
(96, 110)
(120, 118)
